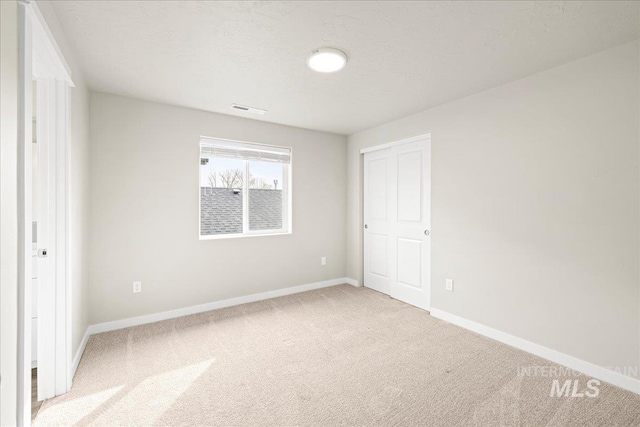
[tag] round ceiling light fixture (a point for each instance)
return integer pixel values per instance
(327, 60)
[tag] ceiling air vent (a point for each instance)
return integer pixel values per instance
(247, 109)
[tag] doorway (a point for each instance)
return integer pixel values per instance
(397, 219)
(44, 324)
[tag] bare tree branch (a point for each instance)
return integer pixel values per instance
(234, 178)
(213, 181)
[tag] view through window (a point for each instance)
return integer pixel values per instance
(244, 188)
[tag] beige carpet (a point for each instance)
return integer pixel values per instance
(336, 356)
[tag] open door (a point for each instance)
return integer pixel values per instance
(43, 189)
(44, 322)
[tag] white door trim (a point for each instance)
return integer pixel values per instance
(402, 141)
(40, 57)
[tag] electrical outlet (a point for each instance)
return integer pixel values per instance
(323, 260)
(449, 285)
(137, 287)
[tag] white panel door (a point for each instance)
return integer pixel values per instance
(377, 212)
(45, 320)
(397, 220)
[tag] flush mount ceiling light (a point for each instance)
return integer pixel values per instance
(327, 60)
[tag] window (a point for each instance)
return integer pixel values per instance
(245, 189)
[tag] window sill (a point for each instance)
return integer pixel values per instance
(242, 236)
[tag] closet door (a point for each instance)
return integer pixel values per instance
(377, 220)
(397, 221)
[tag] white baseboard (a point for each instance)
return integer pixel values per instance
(587, 368)
(352, 282)
(78, 356)
(172, 314)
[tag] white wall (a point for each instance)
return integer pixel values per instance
(144, 211)
(535, 199)
(9, 211)
(79, 185)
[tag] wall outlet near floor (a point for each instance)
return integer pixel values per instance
(449, 285)
(323, 260)
(137, 287)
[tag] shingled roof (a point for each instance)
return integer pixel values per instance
(221, 210)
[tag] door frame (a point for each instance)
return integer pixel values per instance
(397, 142)
(40, 56)
(384, 146)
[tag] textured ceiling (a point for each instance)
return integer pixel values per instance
(403, 56)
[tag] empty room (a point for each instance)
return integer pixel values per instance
(320, 213)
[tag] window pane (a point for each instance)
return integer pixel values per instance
(221, 181)
(265, 195)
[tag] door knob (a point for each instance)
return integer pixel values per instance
(426, 232)
(366, 226)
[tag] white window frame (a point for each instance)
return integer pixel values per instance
(287, 199)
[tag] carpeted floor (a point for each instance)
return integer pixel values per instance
(335, 356)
